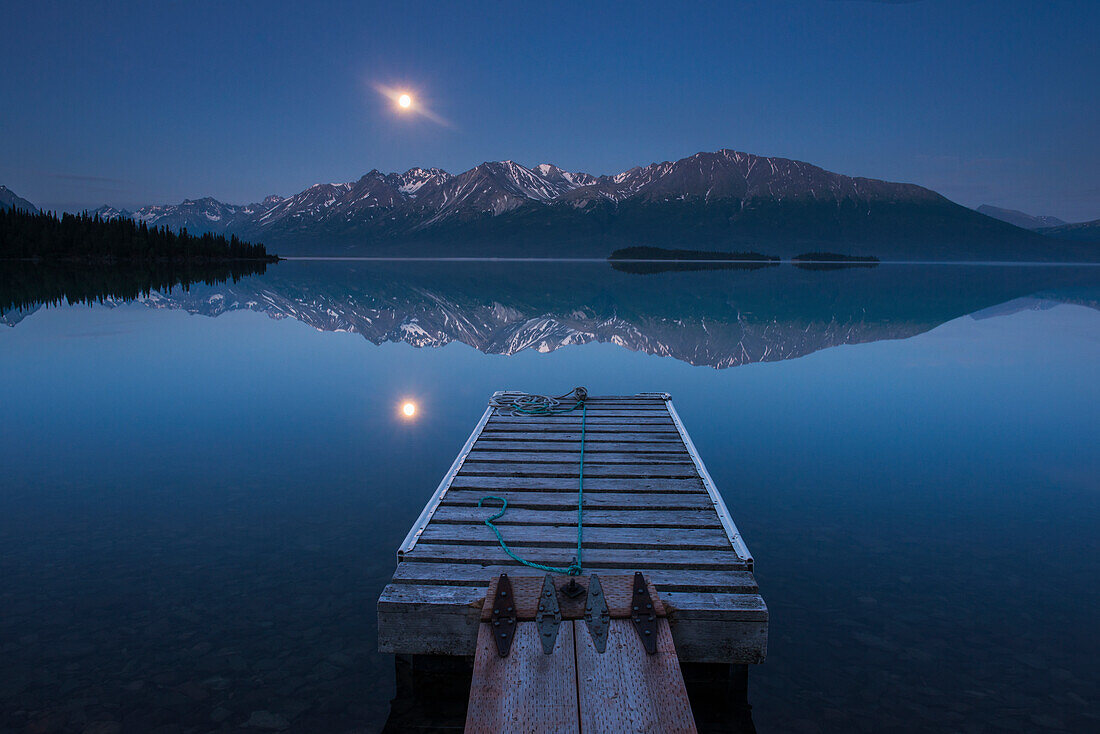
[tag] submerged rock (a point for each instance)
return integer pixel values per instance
(267, 720)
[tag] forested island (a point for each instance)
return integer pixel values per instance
(43, 236)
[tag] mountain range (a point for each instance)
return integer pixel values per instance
(713, 201)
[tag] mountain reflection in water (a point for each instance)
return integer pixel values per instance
(721, 318)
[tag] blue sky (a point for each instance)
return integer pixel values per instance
(136, 103)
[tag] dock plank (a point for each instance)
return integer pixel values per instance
(591, 484)
(626, 690)
(604, 422)
(593, 517)
(679, 579)
(532, 469)
(595, 410)
(530, 432)
(566, 537)
(527, 691)
(594, 558)
(549, 455)
(593, 499)
(624, 439)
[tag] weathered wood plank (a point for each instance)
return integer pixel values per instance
(665, 580)
(594, 558)
(601, 442)
(428, 620)
(661, 431)
(591, 484)
(528, 691)
(628, 418)
(637, 398)
(593, 499)
(593, 517)
(734, 641)
(524, 441)
(626, 690)
(483, 468)
(713, 606)
(564, 537)
(593, 409)
(549, 455)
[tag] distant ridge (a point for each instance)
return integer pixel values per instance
(720, 201)
(1083, 231)
(1019, 218)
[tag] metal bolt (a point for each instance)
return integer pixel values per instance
(648, 632)
(496, 623)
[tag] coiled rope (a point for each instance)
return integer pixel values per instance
(526, 404)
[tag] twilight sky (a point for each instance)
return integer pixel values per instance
(153, 102)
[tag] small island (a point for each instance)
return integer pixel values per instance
(43, 236)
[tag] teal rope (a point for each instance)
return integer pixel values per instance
(537, 405)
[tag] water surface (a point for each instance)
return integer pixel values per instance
(202, 492)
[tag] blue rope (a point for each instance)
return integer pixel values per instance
(535, 405)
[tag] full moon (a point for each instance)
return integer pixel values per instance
(405, 101)
(409, 409)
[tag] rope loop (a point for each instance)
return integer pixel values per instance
(522, 403)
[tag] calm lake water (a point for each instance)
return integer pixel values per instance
(202, 492)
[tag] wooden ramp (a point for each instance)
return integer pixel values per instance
(576, 687)
(649, 506)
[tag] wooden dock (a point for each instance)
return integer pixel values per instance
(649, 506)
